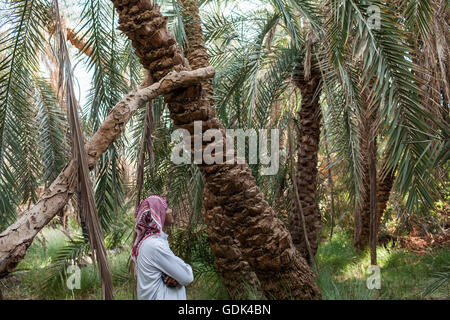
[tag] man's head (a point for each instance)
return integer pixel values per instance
(150, 219)
(169, 218)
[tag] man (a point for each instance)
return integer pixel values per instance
(161, 275)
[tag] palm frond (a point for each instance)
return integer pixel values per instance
(52, 131)
(23, 24)
(418, 15)
(99, 34)
(386, 56)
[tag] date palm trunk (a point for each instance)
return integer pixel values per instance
(236, 273)
(309, 118)
(330, 183)
(362, 205)
(230, 189)
(385, 182)
(366, 212)
(373, 231)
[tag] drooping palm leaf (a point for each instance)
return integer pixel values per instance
(87, 199)
(52, 130)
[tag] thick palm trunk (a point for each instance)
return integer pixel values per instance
(236, 273)
(16, 239)
(230, 189)
(309, 118)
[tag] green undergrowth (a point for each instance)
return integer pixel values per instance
(343, 272)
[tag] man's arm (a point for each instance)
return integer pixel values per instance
(165, 260)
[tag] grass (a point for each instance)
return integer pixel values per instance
(342, 274)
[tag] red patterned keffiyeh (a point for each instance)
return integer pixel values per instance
(149, 221)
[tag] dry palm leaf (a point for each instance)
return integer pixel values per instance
(89, 210)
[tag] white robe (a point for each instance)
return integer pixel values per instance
(154, 259)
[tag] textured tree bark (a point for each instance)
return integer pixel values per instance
(309, 118)
(362, 208)
(16, 239)
(364, 212)
(236, 273)
(230, 189)
(384, 187)
(373, 197)
(330, 183)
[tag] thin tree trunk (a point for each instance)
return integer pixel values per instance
(366, 221)
(236, 273)
(362, 205)
(373, 198)
(16, 239)
(230, 189)
(309, 118)
(330, 182)
(384, 186)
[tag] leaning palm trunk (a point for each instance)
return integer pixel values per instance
(231, 194)
(236, 273)
(309, 118)
(16, 239)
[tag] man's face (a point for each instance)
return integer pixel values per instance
(169, 218)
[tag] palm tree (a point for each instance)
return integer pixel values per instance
(309, 119)
(230, 190)
(236, 273)
(421, 18)
(383, 64)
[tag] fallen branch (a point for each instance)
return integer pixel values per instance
(16, 239)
